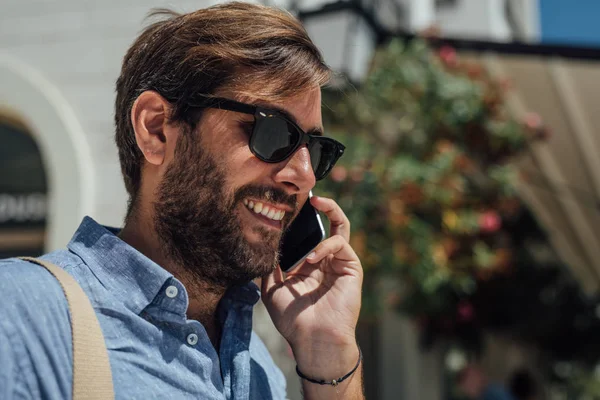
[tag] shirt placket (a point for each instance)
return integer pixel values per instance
(235, 353)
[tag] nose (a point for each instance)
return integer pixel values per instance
(296, 173)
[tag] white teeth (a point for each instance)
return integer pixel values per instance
(260, 208)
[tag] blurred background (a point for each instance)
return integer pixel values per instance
(472, 176)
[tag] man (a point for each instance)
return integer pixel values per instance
(211, 111)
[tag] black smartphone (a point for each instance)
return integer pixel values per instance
(301, 237)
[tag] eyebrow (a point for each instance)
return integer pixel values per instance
(317, 131)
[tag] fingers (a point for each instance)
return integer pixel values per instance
(338, 246)
(340, 225)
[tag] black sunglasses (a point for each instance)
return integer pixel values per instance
(274, 137)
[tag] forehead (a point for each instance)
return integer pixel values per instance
(303, 108)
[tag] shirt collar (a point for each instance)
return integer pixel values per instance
(128, 274)
(125, 272)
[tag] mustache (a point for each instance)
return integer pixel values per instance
(268, 193)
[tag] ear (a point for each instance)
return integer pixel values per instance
(149, 117)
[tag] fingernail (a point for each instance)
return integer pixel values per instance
(311, 255)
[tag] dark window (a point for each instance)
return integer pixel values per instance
(23, 191)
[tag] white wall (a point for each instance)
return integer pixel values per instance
(77, 46)
(421, 14)
(476, 19)
(486, 20)
(527, 14)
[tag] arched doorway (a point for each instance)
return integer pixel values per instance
(62, 143)
(23, 191)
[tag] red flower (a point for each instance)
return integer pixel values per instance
(533, 121)
(448, 56)
(490, 222)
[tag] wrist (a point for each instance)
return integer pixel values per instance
(332, 382)
(325, 361)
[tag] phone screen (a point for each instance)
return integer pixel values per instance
(301, 237)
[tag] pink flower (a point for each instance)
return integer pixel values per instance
(339, 174)
(448, 56)
(490, 222)
(533, 121)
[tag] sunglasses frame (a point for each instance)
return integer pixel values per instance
(263, 113)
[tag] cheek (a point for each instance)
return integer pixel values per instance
(244, 167)
(233, 155)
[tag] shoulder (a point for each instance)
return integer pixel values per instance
(35, 324)
(29, 283)
(32, 298)
(264, 368)
(32, 289)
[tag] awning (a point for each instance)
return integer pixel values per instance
(562, 173)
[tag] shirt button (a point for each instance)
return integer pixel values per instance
(192, 339)
(172, 292)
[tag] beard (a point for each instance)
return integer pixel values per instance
(199, 227)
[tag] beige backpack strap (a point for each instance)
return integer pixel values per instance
(92, 378)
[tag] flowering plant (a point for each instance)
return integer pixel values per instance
(427, 178)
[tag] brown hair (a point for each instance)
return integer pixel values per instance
(254, 50)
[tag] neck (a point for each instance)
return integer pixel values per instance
(204, 298)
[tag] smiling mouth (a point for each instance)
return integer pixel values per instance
(266, 210)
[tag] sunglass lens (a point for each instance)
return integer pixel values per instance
(323, 155)
(273, 139)
(315, 151)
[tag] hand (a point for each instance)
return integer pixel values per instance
(316, 306)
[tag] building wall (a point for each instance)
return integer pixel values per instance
(475, 19)
(77, 46)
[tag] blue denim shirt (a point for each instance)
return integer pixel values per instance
(155, 352)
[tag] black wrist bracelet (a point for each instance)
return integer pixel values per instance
(334, 382)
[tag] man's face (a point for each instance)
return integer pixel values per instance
(211, 200)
